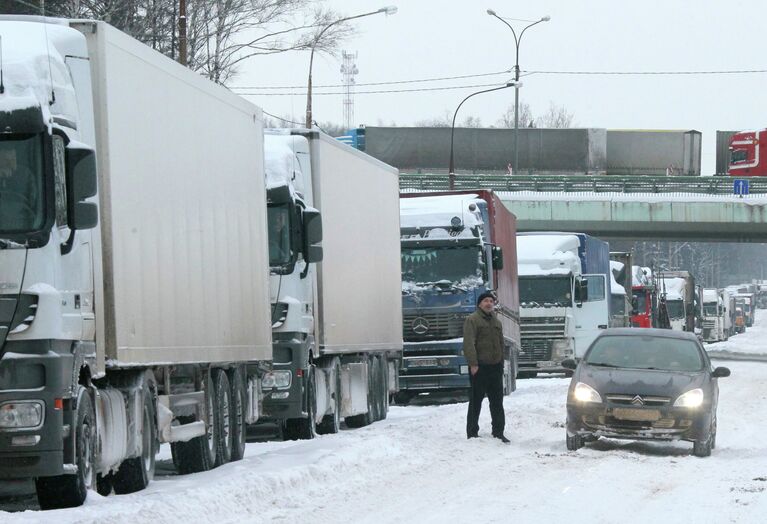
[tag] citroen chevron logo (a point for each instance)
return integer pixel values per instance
(420, 325)
(637, 401)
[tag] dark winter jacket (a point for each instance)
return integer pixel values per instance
(482, 338)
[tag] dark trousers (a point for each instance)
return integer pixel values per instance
(488, 381)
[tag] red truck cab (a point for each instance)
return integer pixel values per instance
(642, 313)
(748, 154)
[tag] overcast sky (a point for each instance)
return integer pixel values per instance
(437, 38)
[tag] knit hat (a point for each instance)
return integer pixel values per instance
(485, 295)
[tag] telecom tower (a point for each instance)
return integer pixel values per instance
(349, 71)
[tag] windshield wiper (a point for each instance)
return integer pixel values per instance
(10, 244)
(602, 364)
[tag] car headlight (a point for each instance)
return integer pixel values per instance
(691, 399)
(585, 393)
(16, 415)
(276, 379)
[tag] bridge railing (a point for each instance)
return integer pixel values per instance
(715, 185)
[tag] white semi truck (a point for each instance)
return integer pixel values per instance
(336, 307)
(133, 262)
(716, 323)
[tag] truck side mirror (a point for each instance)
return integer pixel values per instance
(81, 184)
(312, 235)
(497, 258)
(581, 291)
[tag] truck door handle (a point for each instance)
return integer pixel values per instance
(602, 326)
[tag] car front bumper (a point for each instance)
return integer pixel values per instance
(664, 423)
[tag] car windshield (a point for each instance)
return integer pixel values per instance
(645, 352)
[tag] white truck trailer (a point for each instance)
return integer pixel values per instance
(337, 327)
(133, 262)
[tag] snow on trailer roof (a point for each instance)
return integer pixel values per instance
(674, 286)
(547, 254)
(640, 276)
(439, 211)
(710, 295)
(280, 162)
(615, 288)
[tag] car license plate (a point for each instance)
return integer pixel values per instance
(636, 414)
(423, 362)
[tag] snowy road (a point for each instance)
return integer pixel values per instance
(417, 466)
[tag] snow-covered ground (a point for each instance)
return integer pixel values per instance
(417, 466)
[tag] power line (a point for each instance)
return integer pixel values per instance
(414, 90)
(282, 119)
(392, 82)
(712, 72)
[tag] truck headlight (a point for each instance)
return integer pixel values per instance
(560, 349)
(276, 379)
(26, 414)
(691, 399)
(585, 393)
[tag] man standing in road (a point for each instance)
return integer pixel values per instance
(483, 349)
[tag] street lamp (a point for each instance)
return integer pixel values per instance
(388, 10)
(516, 78)
(451, 167)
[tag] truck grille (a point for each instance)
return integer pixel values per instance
(535, 350)
(709, 324)
(542, 327)
(432, 326)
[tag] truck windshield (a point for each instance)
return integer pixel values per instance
(278, 218)
(641, 302)
(460, 265)
(738, 155)
(618, 305)
(709, 310)
(21, 183)
(675, 308)
(545, 291)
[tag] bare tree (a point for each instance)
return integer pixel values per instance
(525, 117)
(557, 117)
(221, 34)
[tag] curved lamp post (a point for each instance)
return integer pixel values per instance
(516, 77)
(389, 10)
(451, 167)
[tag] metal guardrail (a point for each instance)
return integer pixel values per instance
(715, 185)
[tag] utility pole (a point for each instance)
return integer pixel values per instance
(182, 32)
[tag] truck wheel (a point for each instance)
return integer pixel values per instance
(304, 428)
(199, 453)
(224, 417)
(375, 388)
(68, 491)
(702, 448)
(365, 419)
(239, 414)
(331, 423)
(384, 390)
(403, 398)
(136, 473)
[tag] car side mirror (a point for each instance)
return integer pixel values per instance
(721, 372)
(312, 235)
(569, 363)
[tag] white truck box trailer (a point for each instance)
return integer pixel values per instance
(137, 263)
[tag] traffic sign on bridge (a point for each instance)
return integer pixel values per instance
(740, 187)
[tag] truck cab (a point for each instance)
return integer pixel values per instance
(564, 297)
(748, 153)
(453, 251)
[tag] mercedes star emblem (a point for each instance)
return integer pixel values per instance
(420, 325)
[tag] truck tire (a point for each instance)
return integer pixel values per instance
(239, 414)
(304, 428)
(365, 419)
(68, 491)
(331, 423)
(384, 389)
(224, 417)
(136, 473)
(199, 453)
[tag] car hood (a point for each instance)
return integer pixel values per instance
(611, 381)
